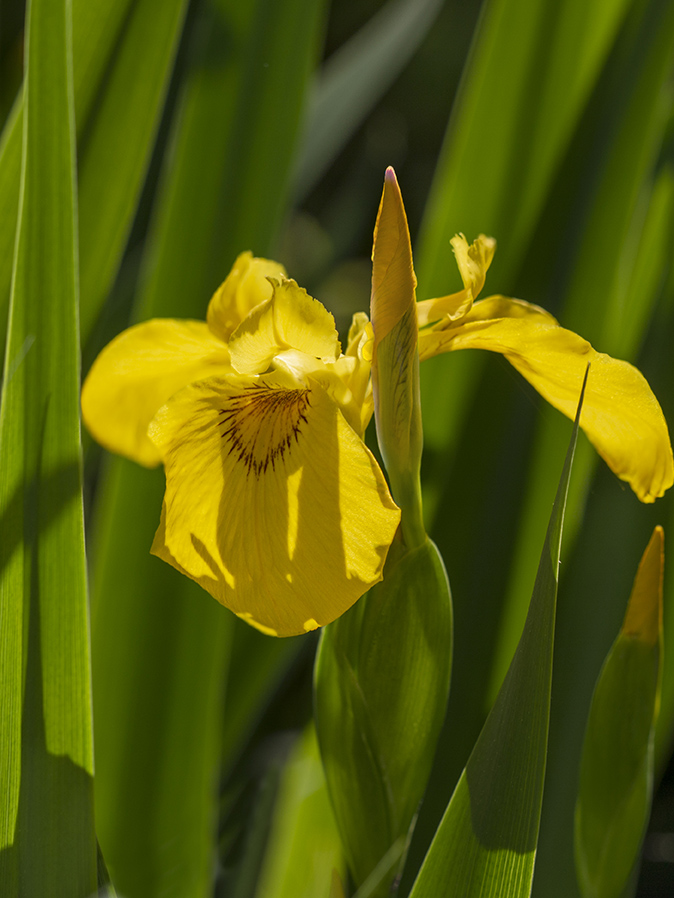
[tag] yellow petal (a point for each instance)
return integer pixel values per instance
(621, 416)
(137, 373)
(442, 336)
(473, 261)
(245, 287)
(273, 504)
(290, 319)
(393, 278)
(504, 307)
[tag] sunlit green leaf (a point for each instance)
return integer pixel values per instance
(46, 753)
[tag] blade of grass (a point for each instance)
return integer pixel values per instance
(486, 842)
(47, 833)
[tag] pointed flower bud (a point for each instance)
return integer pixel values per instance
(395, 364)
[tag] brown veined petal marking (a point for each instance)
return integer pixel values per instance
(273, 502)
(261, 424)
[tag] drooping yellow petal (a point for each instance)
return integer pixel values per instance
(137, 373)
(290, 319)
(473, 261)
(273, 504)
(393, 278)
(245, 287)
(621, 416)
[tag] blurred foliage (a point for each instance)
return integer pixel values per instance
(582, 204)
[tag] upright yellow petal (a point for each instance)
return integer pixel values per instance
(621, 416)
(473, 261)
(245, 287)
(290, 319)
(137, 373)
(273, 504)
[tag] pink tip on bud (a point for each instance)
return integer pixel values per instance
(390, 174)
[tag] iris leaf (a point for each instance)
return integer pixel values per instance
(486, 842)
(47, 833)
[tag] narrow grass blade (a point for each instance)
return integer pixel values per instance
(486, 842)
(47, 833)
(616, 772)
(304, 850)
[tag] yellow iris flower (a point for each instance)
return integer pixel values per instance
(273, 502)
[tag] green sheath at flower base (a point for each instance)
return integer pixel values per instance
(616, 773)
(395, 361)
(381, 685)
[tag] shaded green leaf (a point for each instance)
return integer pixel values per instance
(160, 652)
